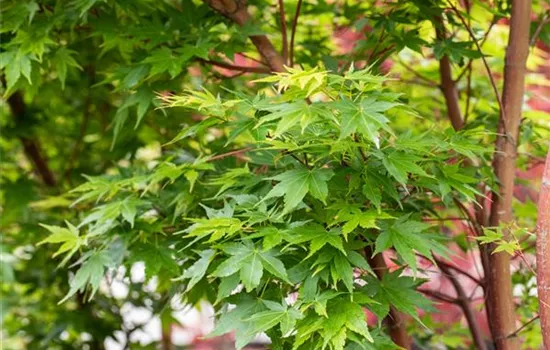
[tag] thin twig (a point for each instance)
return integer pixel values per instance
(245, 69)
(459, 270)
(543, 21)
(293, 33)
(417, 74)
(491, 79)
(282, 18)
(515, 333)
(445, 219)
(229, 154)
(468, 93)
(485, 37)
(253, 59)
(439, 296)
(466, 307)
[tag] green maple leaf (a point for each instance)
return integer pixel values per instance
(354, 217)
(63, 60)
(197, 271)
(317, 236)
(344, 319)
(218, 228)
(295, 184)
(278, 314)
(90, 273)
(396, 290)
(407, 236)
(15, 65)
(292, 114)
(365, 117)
(157, 260)
(400, 164)
(69, 237)
(163, 60)
(250, 262)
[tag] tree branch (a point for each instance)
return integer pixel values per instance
(31, 147)
(448, 85)
(458, 269)
(464, 303)
(236, 11)
(428, 81)
(245, 69)
(282, 17)
(294, 26)
(487, 68)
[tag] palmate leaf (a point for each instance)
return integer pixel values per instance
(400, 165)
(353, 217)
(398, 291)
(365, 117)
(305, 81)
(90, 273)
(198, 270)
(406, 236)
(69, 237)
(278, 314)
(217, 228)
(295, 113)
(250, 262)
(344, 317)
(295, 184)
(317, 236)
(158, 260)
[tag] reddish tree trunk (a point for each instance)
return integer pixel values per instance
(500, 298)
(543, 254)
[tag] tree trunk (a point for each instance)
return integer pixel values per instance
(500, 298)
(543, 254)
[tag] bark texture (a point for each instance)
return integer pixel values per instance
(500, 298)
(543, 254)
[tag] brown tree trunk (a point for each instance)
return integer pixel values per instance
(543, 254)
(500, 298)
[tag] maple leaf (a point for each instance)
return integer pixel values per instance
(365, 117)
(295, 184)
(250, 262)
(407, 236)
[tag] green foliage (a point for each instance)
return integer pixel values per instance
(294, 224)
(265, 196)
